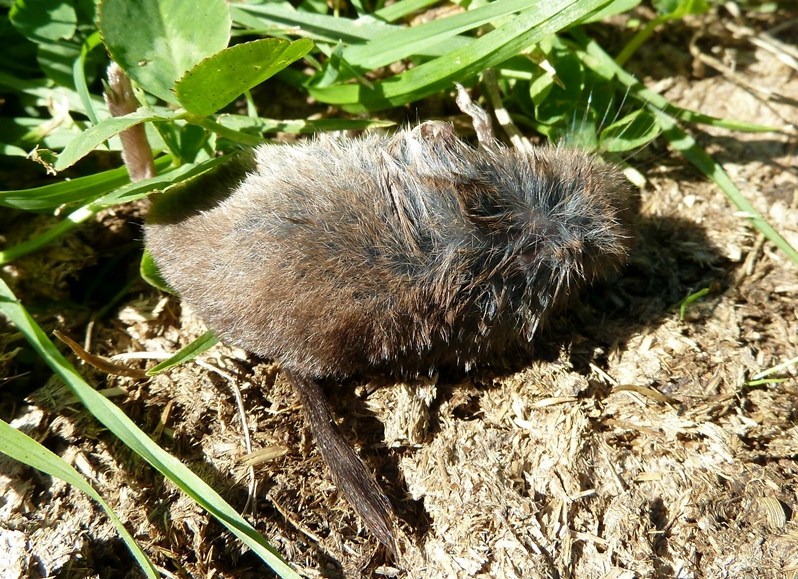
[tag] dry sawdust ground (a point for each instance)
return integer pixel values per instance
(633, 445)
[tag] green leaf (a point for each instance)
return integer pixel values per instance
(220, 78)
(94, 136)
(56, 59)
(28, 133)
(151, 274)
(224, 132)
(12, 151)
(559, 100)
(189, 352)
(23, 448)
(134, 438)
(45, 95)
(185, 141)
(19, 53)
(157, 41)
(44, 21)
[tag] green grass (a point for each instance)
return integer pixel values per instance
(190, 65)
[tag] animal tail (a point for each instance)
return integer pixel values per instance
(349, 473)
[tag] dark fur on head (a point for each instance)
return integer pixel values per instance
(392, 254)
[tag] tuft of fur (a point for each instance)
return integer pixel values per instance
(391, 254)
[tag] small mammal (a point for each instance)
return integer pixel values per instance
(393, 255)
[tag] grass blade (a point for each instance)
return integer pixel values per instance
(488, 51)
(435, 36)
(402, 8)
(97, 134)
(56, 194)
(687, 146)
(192, 350)
(262, 125)
(134, 438)
(78, 190)
(79, 76)
(63, 227)
(602, 63)
(129, 192)
(314, 26)
(23, 448)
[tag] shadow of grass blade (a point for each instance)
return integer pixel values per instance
(23, 448)
(134, 438)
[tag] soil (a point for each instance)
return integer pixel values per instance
(641, 441)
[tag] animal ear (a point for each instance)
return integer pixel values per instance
(480, 202)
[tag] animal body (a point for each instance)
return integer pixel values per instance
(394, 255)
